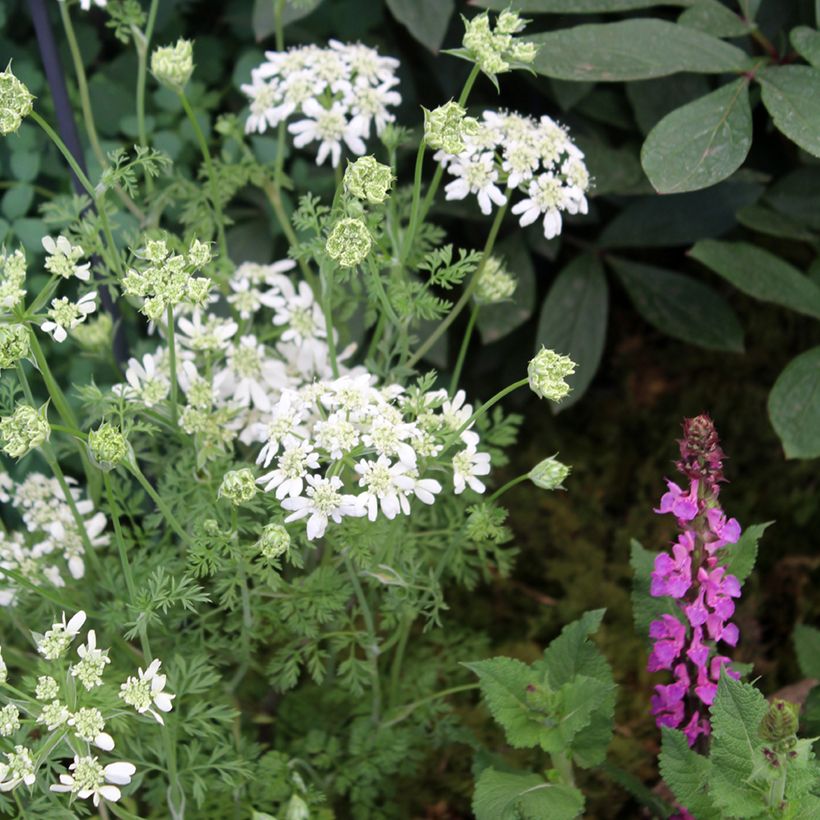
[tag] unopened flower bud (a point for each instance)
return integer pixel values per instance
(16, 102)
(349, 242)
(297, 809)
(108, 446)
(274, 541)
(549, 474)
(446, 126)
(14, 345)
(25, 429)
(199, 253)
(238, 486)
(780, 722)
(173, 65)
(495, 283)
(547, 372)
(368, 179)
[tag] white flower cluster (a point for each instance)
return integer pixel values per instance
(53, 543)
(337, 93)
(509, 152)
(83, 724)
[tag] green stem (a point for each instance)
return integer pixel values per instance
(142, 42)
(172, 362)
(468, 291)
(135, 471)
(209, 165)
(563, 765)
(279, 31)
(484, 408)
(372, 650)
(126, 564)
(508, 486)
(408, 709)
(327, 302)
(414, 212)
(398, 658)
(462, 353)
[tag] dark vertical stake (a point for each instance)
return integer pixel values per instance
(67, 130)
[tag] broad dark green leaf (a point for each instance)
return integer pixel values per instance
(30, 232)
(573, 321)
(496, 321)
(773, 223)
(794, 406)
(615, 170)
(263, 22)
(740, 558)
(806, 42)
(791, 95)
(651, 100)
(524, 796)
(16, 201)
(576, 6)
(632, 50)
(568, 94)
(714, 18)
(679, 219)
(680, 306)
(426, 20)
(798, 195)
(701, 143)
(807, 646)
(760, 274)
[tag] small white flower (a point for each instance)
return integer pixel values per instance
(385, 487)
(291, 470)
(63, 257)
(299, 313)
(468, 464)
(214, 334)
(148, 380)
(9, 720)
(90, 779)
(147, 690)
(54, 643)
(88, 725)
(330, 127)
(323, 502)
(247, 299)
(475, 175)
(251, 377)
(65, 315)
(19, 769)
(92, 662)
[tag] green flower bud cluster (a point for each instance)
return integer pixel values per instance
(367, 179)
(780, 722)
(95, 336)
(446, 126)
(547, 372)
(495, 283)
(238, 486)
(25, 429)
(274, 541)
(349, 242)
(12, 279)
(14, 345)
(496, 49)
(173, 65)
(16, 102)
(108, 446)
(168, 278)
(549, 474)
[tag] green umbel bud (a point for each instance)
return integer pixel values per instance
(108, 446)
(547, 372)
(495, 283)
(368, 179)
(238, 486)
(780, 722)
(25, 429)
(199, 254)
(495, 49)
(446, 126)
(349, 242)
(274, 541)
(16, 102)
(549, 474)
(14, 345)
(173, 65)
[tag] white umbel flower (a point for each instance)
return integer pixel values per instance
(330, 128)
(322, 502)
(65, 315)
(91, 779)
(19, 769)
(147, 690)
(467, 465)
(54, 643)
(63, 257)
(292, 468)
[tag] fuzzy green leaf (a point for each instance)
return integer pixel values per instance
(686, 773)
(760, 274)
(503, 683)
(794, 405)
(739, 559)
(632, 50)
(807, 646)
(519, 796)
(680, 306)
(790, 95)
(701, 143)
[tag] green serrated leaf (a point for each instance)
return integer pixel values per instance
(686, 773)
(572, 653)
(807, 646)
(503, 683)
(760, 274)
(680, 306)
(790, 96)
(794, 406)
(739, 559)
(573, 321)
(632, 50)
(701, 143)
(520, 796)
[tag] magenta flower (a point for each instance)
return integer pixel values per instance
(694, 578)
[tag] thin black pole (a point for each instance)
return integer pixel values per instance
(67, 129)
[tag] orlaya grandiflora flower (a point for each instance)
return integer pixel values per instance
(90, 778)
